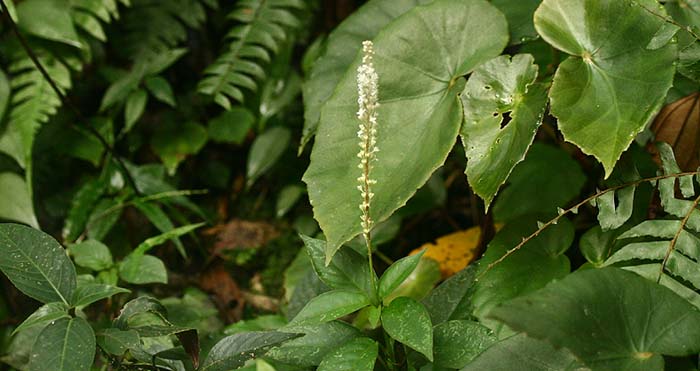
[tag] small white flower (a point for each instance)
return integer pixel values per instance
(368, 101)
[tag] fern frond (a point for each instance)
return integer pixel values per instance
(33, 103)
(89, 15)
(263, 26)
(672, 244)
(154, 26)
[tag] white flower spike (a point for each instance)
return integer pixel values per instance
(368, 101)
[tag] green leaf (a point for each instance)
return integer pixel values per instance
(142, 304)
(231, 352)
(493, 148)
(48, 19)
(397, 273)
(103, 217)
(519, 15)
(45, 314)
(358, 354)
(407, 321)
(418, 109)
(81, 207)
(616, 207)
(537, 263)
(605, 94)
(287, 197)
(231, 126)
(135, 105)
(160, 89)
(91, 254)
(36, 264)
(329, 306)
(520, 352)
(446, 300)
(265, 151)
(15, 201)
(160, 220)
(64, 345)
(318, 341)
(174, 142)
(609, 318)
(597, 245)
(143, 269)
(4, 93)
(419, 283)
(347, 271)
(117, 342)
(547, 179)
(341, 47)
(164, 237)
(89, 293)
(456, 343)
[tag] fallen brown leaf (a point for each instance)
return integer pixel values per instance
(678, 124)
(241, 234)
(228, 298)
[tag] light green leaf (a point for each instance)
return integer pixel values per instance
(407, 321)
(609, 318)
(358, 354)
(46, 313)
(231, 352)
(611, 87)
(287, 197)
(319, 340)
(143, 269)
(231, 126)
(342, 46)
(616, 207)
(418, 109)
(91, 254)
(493, 147)
(15, 202)
(160, 220)
(174, 142)
(397, 273)
(36, 264)
(117, 342)
(135, 105)
(522, 353)
(419, 283)
(444, 303)
(64, 345)
(456, 343)
(4, 93)
(519, 15)
(48, 19)
(347, 271)
(89, 293)
(329, 306)
(265, 151)
(160, 89)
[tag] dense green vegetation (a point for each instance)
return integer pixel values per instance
(349, 185)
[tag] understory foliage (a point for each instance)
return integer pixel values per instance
(360, 185)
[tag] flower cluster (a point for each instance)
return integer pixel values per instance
(368, 101)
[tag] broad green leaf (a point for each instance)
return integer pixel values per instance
(174, 142)
(231, 352)
(287, 198)
(329, 306)
(89, 293)
(48, 19)
(64, 345)
(231, 126)
(609, 89)
(46, 313)
(91, 254)
(117, 342)
(597, 245)
(15, 201)
(347, 271)
(142, 304)
(397, 273)
(143, 269)
(458, 342)
(419, 110)
(265, 151)
(522, 353)
(160, 89)
(519, 15)
(547, 179)
(493, 147)
(651, 272)
(609, 318)
(407, 321)
(4, 93)
(319, 340)
(537, 263)
(36, 264)
(135, 105)
(446, 300)
(419, 283)
(341, 47)
(358, 354)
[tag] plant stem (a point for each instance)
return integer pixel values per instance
(389, 349)
(368, 242)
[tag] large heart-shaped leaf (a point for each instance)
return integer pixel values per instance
(498, 87)
(342, 46)
(613, 85)
(610, 318)
(64, 345)
(419, 59)
(36, 264)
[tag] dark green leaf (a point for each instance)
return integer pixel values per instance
(142, 304)
(231, 126)
(287, 197)
(91, 254)
(135, 105)
(117, 342)
(519, 15)
(456, 343)
(160, 220)
(46, 313)
(232, 351)
(407, 321)
(89, 293)
(443, 302)
(4, 93)
(174, 142)
(316, 343)
(347, 271)
(266, 151)
(36, 264)
(64, 345)
(359, 354)
(81, 207)
(329, 306)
